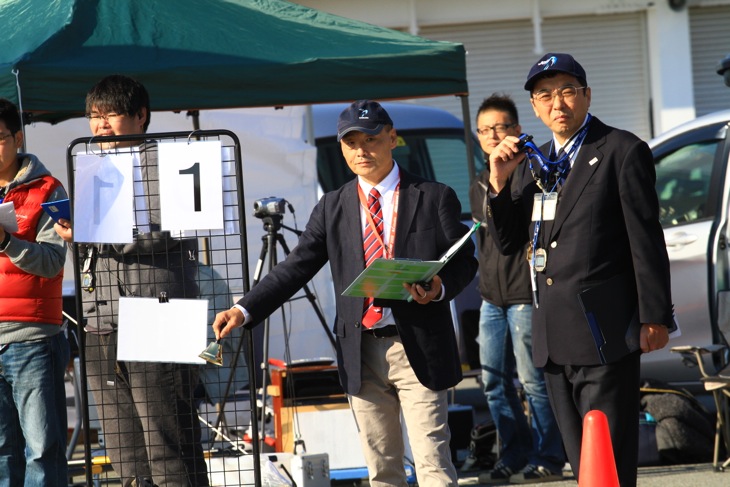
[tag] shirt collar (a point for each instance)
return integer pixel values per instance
(386, 185)
(570, 141)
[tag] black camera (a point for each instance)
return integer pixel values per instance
(524, 139)
(269, 206)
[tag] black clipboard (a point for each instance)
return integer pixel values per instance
(58, 209)
(612, 313)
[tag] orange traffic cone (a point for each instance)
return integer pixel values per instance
(597, 465)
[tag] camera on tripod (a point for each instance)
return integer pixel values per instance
(269, 206)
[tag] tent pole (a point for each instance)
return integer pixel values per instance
(468, 139)
(195, 115)
(309, 126)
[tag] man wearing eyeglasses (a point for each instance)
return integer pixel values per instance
(147, 411)
(529, 452)
(598, 265)
(34, 351)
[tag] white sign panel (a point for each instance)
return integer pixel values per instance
(191, 186)
(151, 331)
(8, 219)
(103, 204)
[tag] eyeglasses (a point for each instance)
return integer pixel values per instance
(109, 117)
(3, 138)
(566, 93)
(500, 128)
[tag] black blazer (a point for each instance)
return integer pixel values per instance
(607, 224)
(428, 224)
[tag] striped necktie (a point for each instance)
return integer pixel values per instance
(373, 250)
(563, 165)
(560, 172)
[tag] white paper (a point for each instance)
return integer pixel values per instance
(8, 219)
(191, 185)
(150, 331)
(103, 201)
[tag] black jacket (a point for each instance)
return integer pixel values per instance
(504, 280)
(428, 224)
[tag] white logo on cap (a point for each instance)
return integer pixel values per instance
(548, 63)
(364, 114)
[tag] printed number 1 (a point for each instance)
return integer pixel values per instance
(195, 171)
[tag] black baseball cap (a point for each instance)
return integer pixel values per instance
(364, 116)
(555, 62)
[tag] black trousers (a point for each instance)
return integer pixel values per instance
(612, 389)
(148, 417)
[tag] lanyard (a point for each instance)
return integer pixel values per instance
(546, 165)
(388, 250)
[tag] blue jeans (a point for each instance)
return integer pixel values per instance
(505, 345)
(34, 426)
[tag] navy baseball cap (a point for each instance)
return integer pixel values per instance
(555, 62)
(364, 116)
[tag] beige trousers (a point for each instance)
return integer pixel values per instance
(389, 388)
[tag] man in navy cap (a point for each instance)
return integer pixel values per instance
(598, 262)
(394, 356)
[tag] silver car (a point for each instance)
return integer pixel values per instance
(693, 186)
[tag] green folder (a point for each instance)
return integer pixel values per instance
(384, 278)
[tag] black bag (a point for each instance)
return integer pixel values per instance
(481, 447)
(685, 430)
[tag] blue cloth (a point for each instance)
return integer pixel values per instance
(34, 426)
(505, 346)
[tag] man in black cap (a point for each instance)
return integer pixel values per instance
(394, 356)
(598, 260)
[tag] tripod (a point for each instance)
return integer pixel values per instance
(273, 225)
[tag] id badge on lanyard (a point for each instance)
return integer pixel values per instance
(544, 206)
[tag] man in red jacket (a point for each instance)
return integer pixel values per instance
(34, 352)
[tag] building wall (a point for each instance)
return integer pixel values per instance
(650, 67)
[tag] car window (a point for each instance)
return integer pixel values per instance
(448, 158)
(683, 183)
(438, 155)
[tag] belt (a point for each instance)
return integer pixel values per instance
(382, 332)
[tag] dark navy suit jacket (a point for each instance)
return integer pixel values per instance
(606, 224)
(428, 224)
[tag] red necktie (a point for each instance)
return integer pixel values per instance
(373, 250)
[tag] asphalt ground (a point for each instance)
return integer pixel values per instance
(700, 475)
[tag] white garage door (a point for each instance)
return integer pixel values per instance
(710, 34)
(612, 49)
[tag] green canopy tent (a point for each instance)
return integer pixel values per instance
(205, 54)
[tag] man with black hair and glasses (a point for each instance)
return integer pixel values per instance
(34, 352)
(529, 451)
(150, 423)
(599, 269)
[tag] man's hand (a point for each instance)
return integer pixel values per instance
(422, 295)
(226, 321)
(653, 337)
(63, 229)
(503, 161)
